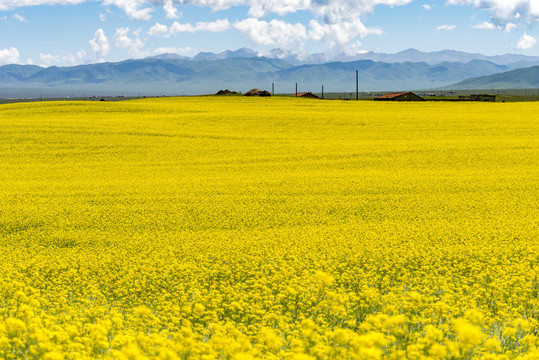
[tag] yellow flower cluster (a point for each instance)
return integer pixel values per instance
(232, 228)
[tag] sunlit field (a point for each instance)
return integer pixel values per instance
(241, 228)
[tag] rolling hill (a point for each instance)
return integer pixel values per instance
(515, 79)
(176, 76)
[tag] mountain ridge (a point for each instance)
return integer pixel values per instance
(524, 78)
(169, 75)
(408, 55)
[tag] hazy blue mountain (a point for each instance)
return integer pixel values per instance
(129, 71)
(515, 79)
(17, 73)
(411, 55)
(154, 76)
(144, 76)
(392, 76)
(228, 54)
(514, 61)
(170, 56)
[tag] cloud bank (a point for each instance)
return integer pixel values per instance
(71, 59)
(503, 12)
(331, 11)
(176, 27)
(13, 4)
(337, 23)
(9, 56)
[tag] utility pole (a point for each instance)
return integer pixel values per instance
(322, 91)
(272, 88)
(357, 85)
(296, 89)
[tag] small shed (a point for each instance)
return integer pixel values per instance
(402, 96)
(307, 95)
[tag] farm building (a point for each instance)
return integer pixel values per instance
(478, 97)
(403, 96)
(307, 95)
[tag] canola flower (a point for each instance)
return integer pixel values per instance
(232, 228)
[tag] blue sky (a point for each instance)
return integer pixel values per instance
(71, 32)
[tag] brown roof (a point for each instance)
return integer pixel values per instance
(306, 94)
(391, 95)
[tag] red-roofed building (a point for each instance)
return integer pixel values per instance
(402, 96)
(307, 95)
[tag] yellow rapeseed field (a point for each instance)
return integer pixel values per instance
(235, 228)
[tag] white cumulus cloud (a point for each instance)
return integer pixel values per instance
(170, 10)
(490, 26)
(338, 20)
(339, 37)
(158, 29)
(505, 11)
(135, 9)
(485, 26)
(184, 51)
(526, 42)
(49, 59)
(335, 11)
(274, 32)
(177, 27)
(331, 11)
(9, 56)
(211, 26)
(286, 35)
(509, 26)
(133, 45)
(13, 4)
(100, 44)
(263, 8)
(69, 59)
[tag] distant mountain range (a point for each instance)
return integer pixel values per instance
(526, 78)
(413, 55)
(241, 70)
(409, 55)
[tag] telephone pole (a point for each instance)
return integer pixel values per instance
(357, 85)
